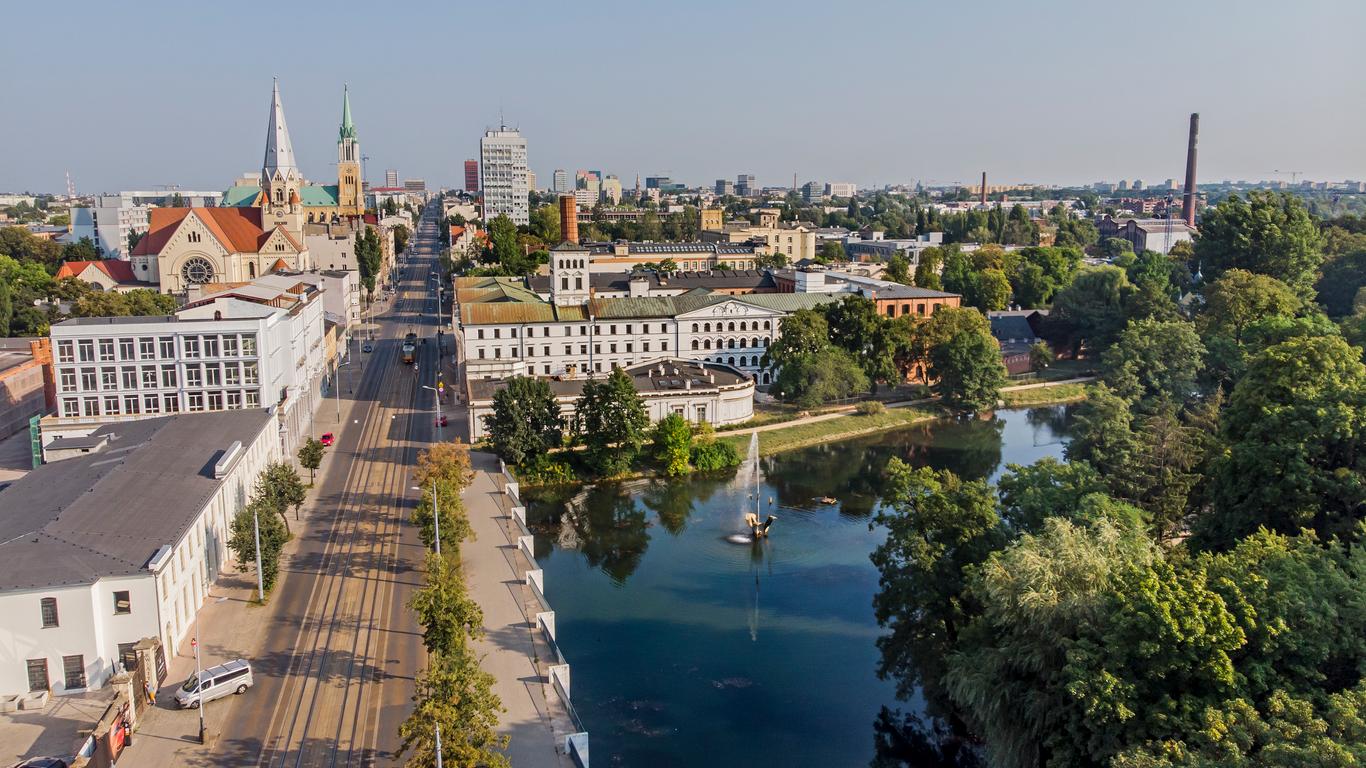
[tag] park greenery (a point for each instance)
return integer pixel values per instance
(453, 692)
(1185, 588)
(369, 258)
(607, 436)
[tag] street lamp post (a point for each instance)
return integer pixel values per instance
(199, 681)
(260, 578)
(436, 515)
(437, 394)
(438, 745)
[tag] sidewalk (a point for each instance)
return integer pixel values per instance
(508, 646)
(231, 625)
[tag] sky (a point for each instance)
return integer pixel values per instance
(137, 95)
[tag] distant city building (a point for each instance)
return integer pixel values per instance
(586, 198)
(611, 190)
(1170, 185)
(1138, 184)
(711, 217)
(531, 181)
(112, 218)
(1123, 185)
(503, 169)
(391, 178)
(415, 185)
(744, 185)
(1158, 235)
(657, 182)
(794, 240)
(724, 187)
(841, 189)
(560, 181)
(813, 191)
(471, 175)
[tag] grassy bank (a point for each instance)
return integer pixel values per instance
(803, 435)
(1051, 395)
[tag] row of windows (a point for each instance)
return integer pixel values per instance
(610, 329)
(73, 671)
(155, 348)
(47, 608)
(146, 377)
(135, 405)
(755, 342)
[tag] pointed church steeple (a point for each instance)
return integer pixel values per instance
(279, 150)
(348, 128)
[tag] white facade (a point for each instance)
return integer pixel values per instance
(560, 181)
(220, 353)
(503, 175)
(841, 189)
(731, 332)
(97, 623)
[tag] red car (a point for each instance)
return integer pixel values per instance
(327, 438)
(441, 422)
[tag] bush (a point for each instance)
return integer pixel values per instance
(870, 407)
(543, 470)
(715, 455)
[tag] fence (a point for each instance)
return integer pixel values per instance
(575, 742)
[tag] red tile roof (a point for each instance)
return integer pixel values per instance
(238, 229)
(119, 271)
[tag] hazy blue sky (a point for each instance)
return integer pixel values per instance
(131, 95)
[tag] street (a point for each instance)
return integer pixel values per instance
(335, 660)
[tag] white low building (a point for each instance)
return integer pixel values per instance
(714, 394)
(253, 346)
(120, 542)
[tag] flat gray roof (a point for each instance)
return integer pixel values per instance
(106, 513)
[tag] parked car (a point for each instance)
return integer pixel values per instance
(441, 420)
(42, 762)
(327, 439)
(215, 683)
(367, 347)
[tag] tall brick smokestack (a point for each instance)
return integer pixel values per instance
(984, 187)
(1188, 201)
(569, 219)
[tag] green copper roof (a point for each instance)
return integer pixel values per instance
(348, 128)
(240, 197)
(318, 194)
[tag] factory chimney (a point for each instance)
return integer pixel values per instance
(1188, 201)
(984, 187)
(569, 219)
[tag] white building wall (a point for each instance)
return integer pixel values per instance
(503, 175)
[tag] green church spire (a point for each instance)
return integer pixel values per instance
(348, 128)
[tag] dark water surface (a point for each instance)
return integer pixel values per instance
(689, 650)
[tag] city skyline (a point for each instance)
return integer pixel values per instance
(1022, 98)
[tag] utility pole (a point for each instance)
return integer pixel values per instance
(199, 680)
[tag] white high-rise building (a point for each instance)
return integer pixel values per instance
(561, 181)
(112, 218)
(503, 175)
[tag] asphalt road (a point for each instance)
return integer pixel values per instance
(336, 678)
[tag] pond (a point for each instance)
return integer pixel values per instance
(687, 649)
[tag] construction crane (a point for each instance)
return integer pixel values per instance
(1294, 175)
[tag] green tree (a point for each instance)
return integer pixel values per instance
(651, 229)
(927, 271)
(525, 421)
(1154, 361)
(450, 618)
(274, 534)
(369, 257)
(990, 291)
(939, 527)
(830, 252)
(1047, 488)
(1294, 426)
(1237, 306)
(400, 239)
(1040, 355)
(1117, 247)
(280, 487)
(813, 378)
(455, 694)
(898, 269)
(6, 308)
(20, 244)
(612, 422)
(545, 224)
(1093, 306)
(311, 456)
(81, 250)
(804, 332)
(1269, 233)
(965, 365)
(672, 438)
(443, 471)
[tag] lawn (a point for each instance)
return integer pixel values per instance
(1061, 393)
(803, 435)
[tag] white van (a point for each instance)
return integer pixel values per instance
(219, 681)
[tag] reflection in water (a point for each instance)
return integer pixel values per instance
(678, 637)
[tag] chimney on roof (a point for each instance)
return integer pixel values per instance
(1188, 201)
